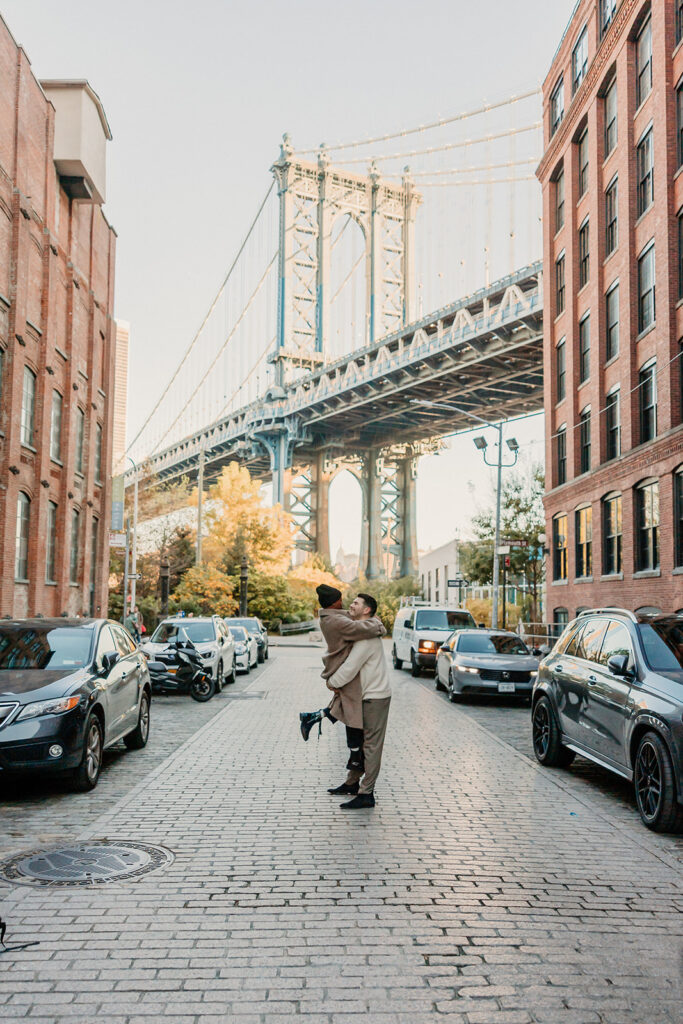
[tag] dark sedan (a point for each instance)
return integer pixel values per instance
(479, 661)
(612, 691)
(69, 688)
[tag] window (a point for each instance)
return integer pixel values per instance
(612, 321)
(580, 60)
(28, 406)
(646, 289)
(679, 122)
(51, 542)
(2, 367)
(645, 173)
(585, 440)
(560, 620)
(590, 641)
(21, 549)
(644, 63)
(561, 441)
(561, 366)
(678, 514)
(583, 527)
(584, 253)
(679, 20)
(56, 427)
(608, 9)
(584, 349)
(560, 548)
(559, 285)
(80, 437)
(94, 537)
(647, 401)
(647, 526)
(556, 107)
(583, 163)
(611, 118)
(680, 256)
(98, 452)
(617, 641)
(611, 222)
(611, 533)
(73, 565)
(613, 425)
(559, 201)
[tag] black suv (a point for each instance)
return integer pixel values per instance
(612, 690)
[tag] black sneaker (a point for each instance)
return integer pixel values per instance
(345, 789)
(362, 800)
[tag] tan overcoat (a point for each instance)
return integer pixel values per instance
(340, 632)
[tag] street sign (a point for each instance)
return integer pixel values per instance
(503, 550)
(458, 581)
(117, 540)
(517, 542)
(134, 576)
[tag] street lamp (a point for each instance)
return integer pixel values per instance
(481, 445)
(134, 558)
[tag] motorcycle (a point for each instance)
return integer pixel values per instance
(180, 669)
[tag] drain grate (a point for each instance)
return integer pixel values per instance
(93, 863)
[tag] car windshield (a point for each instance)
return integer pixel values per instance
(197, 632)
(239, 632)
(484, 643)
(443, 620)
(45, 647)
(663, 643)
(251, 625)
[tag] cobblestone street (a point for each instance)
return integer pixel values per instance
(481, 889)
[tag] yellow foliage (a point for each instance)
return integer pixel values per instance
(205, 590)
(304, 578)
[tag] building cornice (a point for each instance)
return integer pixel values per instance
(595, 72)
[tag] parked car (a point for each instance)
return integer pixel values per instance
(485, 661)
(246, 648)
(208, 634)
(69, 688)
(611, 690)
(420, 629)
(257, 629)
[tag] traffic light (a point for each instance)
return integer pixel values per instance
(507, 561)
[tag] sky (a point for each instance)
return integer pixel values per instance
(198, 97)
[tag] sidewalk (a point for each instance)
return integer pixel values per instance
(477, 891)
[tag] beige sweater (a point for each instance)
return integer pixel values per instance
(367, 658)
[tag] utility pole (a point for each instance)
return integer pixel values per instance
(134, 558)
(244, 576)
(125, 570)
(164, 575)
(200, 495)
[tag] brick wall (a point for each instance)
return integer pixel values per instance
(612, 56)
(56, 306)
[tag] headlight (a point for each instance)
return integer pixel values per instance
(534, 672)
(467, 668)
(207, 654)
(427, 645)
(48, 707)
(240, 648)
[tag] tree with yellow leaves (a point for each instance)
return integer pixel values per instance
(238, 524)
(205, 590)
(304, 578)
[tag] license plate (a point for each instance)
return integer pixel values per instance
(172, 671)
(506, 687)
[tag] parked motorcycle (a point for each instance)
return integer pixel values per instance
(180, 669)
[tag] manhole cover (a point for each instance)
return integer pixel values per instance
(93, 863)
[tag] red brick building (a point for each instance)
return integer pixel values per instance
(612, 178)
(56, 343)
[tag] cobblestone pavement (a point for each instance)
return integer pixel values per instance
(481, 889)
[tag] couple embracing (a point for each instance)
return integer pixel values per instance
(355, 669)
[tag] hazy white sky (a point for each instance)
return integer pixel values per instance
(198, 96)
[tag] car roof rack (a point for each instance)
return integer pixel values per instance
(609, 610)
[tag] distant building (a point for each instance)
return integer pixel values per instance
(612, 242)
(120, 397)
(346, 567)
(56, 343)
(436, 567)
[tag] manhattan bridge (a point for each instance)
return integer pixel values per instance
(365, 296)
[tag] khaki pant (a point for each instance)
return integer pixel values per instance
(375, 716)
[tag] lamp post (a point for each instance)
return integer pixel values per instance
(244, 576)
(134, 555)
(481, 445)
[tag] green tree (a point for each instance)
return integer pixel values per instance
(522, 518)
(205, 590)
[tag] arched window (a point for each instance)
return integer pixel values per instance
(28, 407)
(23, 524)
(583, 539)
(647, 525)
(612, 534)
(648, 609)
(560, 547)
(56, 427)
(560, 620)
(73, 563)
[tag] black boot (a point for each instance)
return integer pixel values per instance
(345, 789)
(362, 800)
(307, 719)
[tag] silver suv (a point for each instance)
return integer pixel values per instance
(209, 635)
(612, 690)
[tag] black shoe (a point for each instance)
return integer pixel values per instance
(345, 789)
(307, 719)
(362, 800)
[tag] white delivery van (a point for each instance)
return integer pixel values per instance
(420, 628)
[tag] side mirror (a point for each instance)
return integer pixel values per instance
(408, 626)
(537, 652)
(444, 647)
(109, 660)
(618, 665)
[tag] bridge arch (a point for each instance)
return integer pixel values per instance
(349, 305)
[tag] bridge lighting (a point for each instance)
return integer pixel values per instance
(480, 443)
(512, 444)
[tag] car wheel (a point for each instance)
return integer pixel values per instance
(229, 679)
(220, 677)
(248, 668)
(85, 777)
(261, 656)
(137, 739)
(415, 669)
(438, 685)
(453, 695)
(267, 654)
(395, 660)
(546, 736)
(655, 786)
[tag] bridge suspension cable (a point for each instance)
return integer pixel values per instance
(204, 322)
(440, 123)
(461, 144)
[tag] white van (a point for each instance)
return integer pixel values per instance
(420, 629)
